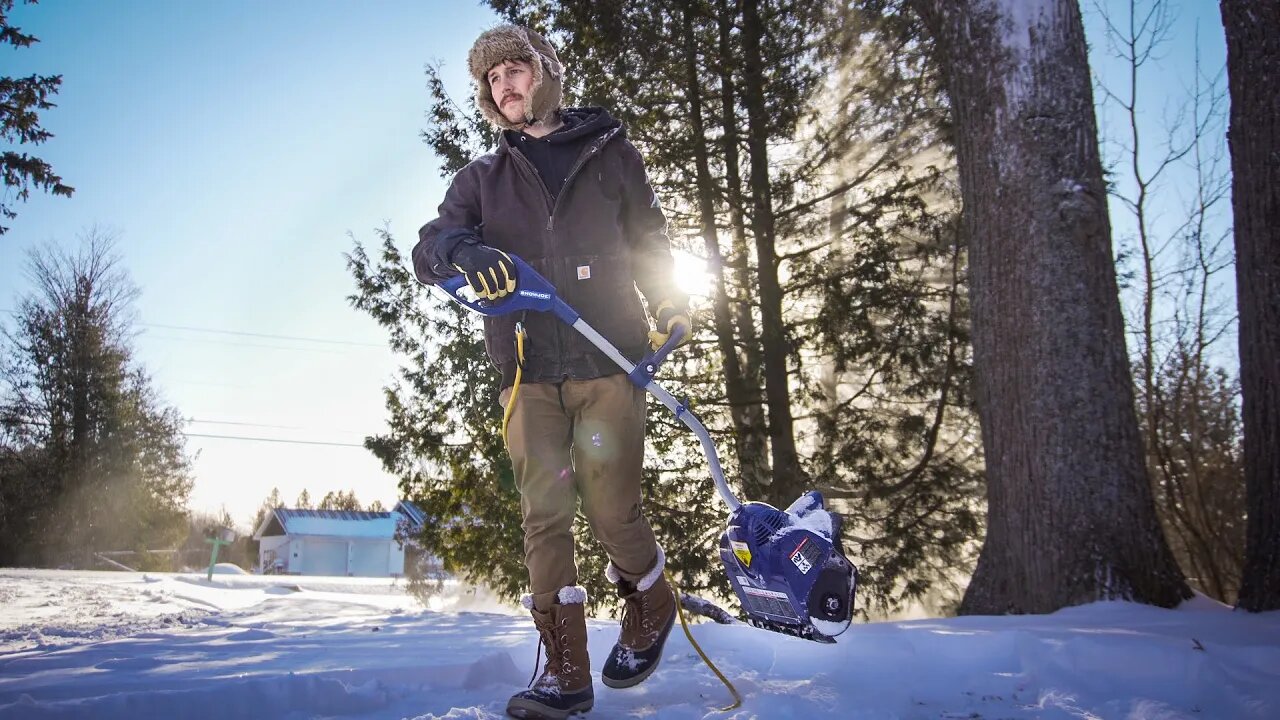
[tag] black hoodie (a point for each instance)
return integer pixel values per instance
(554, 155)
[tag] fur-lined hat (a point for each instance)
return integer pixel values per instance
(512, 42)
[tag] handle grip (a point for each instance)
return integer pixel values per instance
(533, 292)
(673, 341)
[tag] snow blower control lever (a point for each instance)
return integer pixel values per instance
(785, 566)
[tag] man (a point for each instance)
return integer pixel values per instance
(568, 193)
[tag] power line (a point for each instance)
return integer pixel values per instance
(262, 335)
(41, 423)
(193, 328)
(273, 440)
(245, 423)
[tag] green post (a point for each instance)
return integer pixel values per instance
(218, 542)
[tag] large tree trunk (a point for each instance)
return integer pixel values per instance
(743, 409)
(752, 444)
(788, 476)
(1071, 518)
(1253, 71)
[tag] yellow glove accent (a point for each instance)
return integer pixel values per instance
(659, 337)
(486, 283)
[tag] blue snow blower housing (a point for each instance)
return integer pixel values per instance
(786, 570)
(785, 566)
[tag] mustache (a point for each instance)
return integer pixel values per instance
(509, 96)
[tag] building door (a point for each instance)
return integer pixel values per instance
(325, 557)
(369, 559)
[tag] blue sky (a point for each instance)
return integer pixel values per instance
(231, 147)
(1165, 85)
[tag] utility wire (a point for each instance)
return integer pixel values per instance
(194, 328)
(245, 424)
(274, 440)
(262, 335)
(39, 423)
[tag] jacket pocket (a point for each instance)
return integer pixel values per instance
(603, 291)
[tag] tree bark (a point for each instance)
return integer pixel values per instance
(743, 409)
(752, 444)
(1070, 512)
(1253, 72)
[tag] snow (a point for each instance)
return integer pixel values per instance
(132, 645)
(806, 514)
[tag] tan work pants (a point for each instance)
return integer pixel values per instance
(579, 439)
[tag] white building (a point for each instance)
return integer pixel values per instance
(332, 542)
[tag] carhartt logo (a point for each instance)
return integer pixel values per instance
(584, 272)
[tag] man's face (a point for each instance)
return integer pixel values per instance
(510, 82)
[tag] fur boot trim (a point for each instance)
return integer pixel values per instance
(512, 42)
(572, 595)
(614, 575)
(568, 595)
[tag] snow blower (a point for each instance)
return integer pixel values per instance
(785, 566)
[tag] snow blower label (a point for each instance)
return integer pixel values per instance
(766, 602)
(804, 555)
(743, 552)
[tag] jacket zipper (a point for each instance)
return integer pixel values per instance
(527, 167)
(582, 160)
(554, 204)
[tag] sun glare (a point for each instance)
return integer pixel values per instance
(691, 274)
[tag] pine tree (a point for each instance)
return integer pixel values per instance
(92, 459)
(339, 500)
(444, 440)
(21, 100)
(271, 502)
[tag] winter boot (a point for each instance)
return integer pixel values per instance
(564, 688)
(647, 618)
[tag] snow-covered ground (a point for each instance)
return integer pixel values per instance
(133, 645)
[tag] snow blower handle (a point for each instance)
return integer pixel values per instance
(534, 292)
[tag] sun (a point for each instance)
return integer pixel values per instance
(691, 274)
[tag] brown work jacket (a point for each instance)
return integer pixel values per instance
(602, 238)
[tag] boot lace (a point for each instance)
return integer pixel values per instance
(637, 620)
(556, 640)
